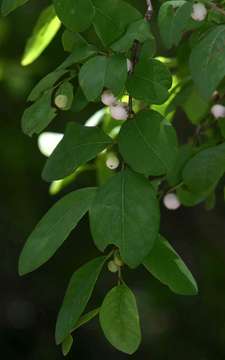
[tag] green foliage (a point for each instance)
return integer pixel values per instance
(79, 145)
(164, 263)
(174, 17)
(76, 15)
(39, 115)
(117, 204)
(111, 60)
(54, 228)
(207, 61)
(119, 319)
(155, 143)
(10, 5)
(150, 81)
(111, 19)
(67, 345)
(77, 296)
(44, 31)
(205, 169)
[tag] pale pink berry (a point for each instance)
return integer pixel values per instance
(171, 201)
(108, 98)
(218, 111)
(119, 111)
(199, 12)
(112, 161)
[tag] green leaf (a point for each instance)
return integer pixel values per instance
(119, 319)
(54, 228)
(173, 20)
(150, 81)
(44, 31)
(205, 169)
(155, 142)
(77, 296)
(71, 40)
(79, 101)
(86, 318)
(76, 15)
(100, 72)
(195, 107)
(80, 53)
(148, 49)
(207, 61)
(165, 264)
(79, 145)
(45, 84)
(39, 115)
(190, 199)
(92, 77)
(184, 154)
(192, 103)
(67, 345)
(10, 5)
(138, 30)
(129, 213)
(116, 74)
(111, 19)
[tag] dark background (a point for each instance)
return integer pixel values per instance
(174, 327)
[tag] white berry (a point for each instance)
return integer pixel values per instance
(112, 161)
(108, 98)
(61, 101)
(199, 12)
(218, 111)
(171, 201)
(119, 111)
(129, 65)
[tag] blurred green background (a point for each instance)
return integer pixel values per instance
(173, 327)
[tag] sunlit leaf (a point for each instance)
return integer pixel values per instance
(44, 31)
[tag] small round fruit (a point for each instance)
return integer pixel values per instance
(112, 267)
(199, 12)
(218, 111)
(171, 201)
(119, 111)
(61, 101)
(118, 261)
(112, 161)
(108, 98)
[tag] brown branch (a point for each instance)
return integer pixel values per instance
(217, 8)
(135, 52)
(214, 6)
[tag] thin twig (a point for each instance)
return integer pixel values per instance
(134, 60)
(214, 6)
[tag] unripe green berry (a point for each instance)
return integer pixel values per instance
(118, 261)
(112, 267)
(61, 101)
